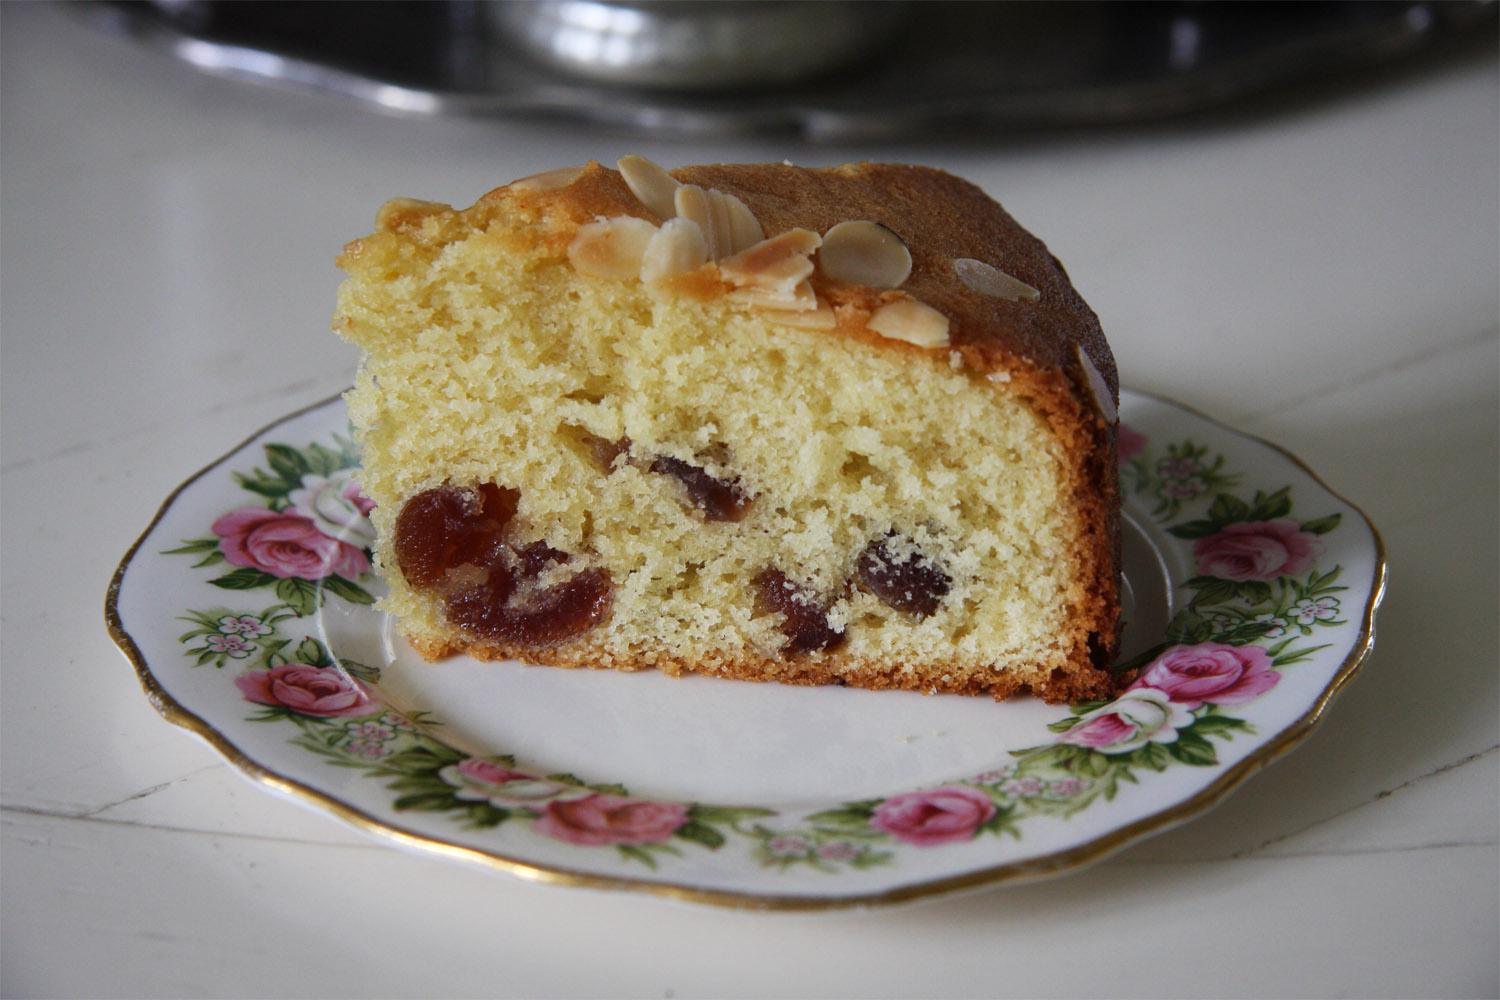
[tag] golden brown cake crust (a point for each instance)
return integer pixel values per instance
(1062, 686)
(990, 332)
(1033, 347)
(987, 330)
(1032, 339)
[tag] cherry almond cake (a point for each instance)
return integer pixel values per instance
(818, 426)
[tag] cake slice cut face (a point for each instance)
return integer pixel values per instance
(817, 426)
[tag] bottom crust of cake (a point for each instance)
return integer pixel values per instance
(1060, 684)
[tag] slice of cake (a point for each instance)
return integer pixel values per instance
(833, 426)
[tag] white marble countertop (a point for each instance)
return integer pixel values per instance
(1317, 271)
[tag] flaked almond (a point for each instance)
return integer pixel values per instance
(781, 261)
(799, 298)
(1103, 398)
(864, 253)
(987, 279)
(611, 248)
(744, 227)
(696, 204)
(722, 244)
(727, 223)
(548, 179)
(400, 213)
(911, 321)
(773, 273)
(676, 248)
(650, 183)
(820, 317)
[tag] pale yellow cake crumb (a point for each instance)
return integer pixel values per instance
(489, 358)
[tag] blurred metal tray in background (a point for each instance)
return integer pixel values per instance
(832, 70)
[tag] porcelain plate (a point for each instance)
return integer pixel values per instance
(246, 609)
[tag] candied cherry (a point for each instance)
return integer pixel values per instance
(804, 618)
(718, 499)
(521, 612)
(443, 528)
(451, 540)
(897, 575)
(603, 451)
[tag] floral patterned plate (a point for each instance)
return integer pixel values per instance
(246, 610)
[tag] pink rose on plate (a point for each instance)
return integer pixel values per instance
(935, 816)
(306, 690)
(1210, 672)
(1130, 443)
(611, 819)
(478, 780)
(286, 545)
(335, 505)
(1139, 716)
(1257, 550)
(487, 772)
